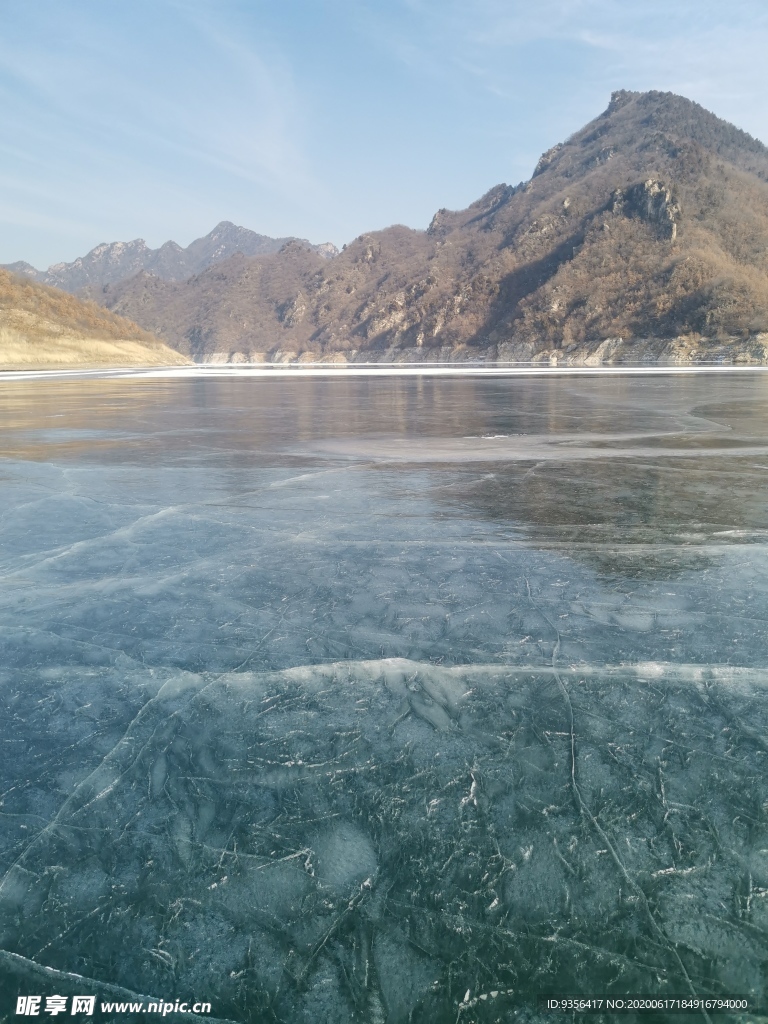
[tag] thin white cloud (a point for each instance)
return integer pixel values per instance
(34, 217)
(122, 118)
(710, 51)
(238, 119)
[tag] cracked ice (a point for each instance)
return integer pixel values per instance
(383, 700)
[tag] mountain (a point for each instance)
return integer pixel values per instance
(643, 236)
(42, 328)
(116, 261)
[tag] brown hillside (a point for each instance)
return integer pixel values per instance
(41, 327)
(649, 223)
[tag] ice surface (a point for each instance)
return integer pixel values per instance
(320, 709)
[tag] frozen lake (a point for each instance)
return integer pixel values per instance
(384, 699)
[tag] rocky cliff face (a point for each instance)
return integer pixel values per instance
(651, 201)
(116, 261)
(646, 229)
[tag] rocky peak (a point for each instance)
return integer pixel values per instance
(546, 159)
(326, 249)
(619, 99)
(23, 269)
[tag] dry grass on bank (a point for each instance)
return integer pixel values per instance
(68, 352)
(46, 329)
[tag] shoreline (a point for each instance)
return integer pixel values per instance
(518, 358)
(285, 371)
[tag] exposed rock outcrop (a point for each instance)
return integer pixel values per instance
(651, 201)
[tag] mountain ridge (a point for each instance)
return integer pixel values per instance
(643, 236)
(648, 224)
(110, 262)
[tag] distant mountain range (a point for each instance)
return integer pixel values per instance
(644, 236)
(115, 261)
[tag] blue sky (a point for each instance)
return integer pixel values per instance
(323, 118)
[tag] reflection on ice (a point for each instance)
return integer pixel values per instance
(383, 701)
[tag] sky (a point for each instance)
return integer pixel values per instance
(323, 118)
